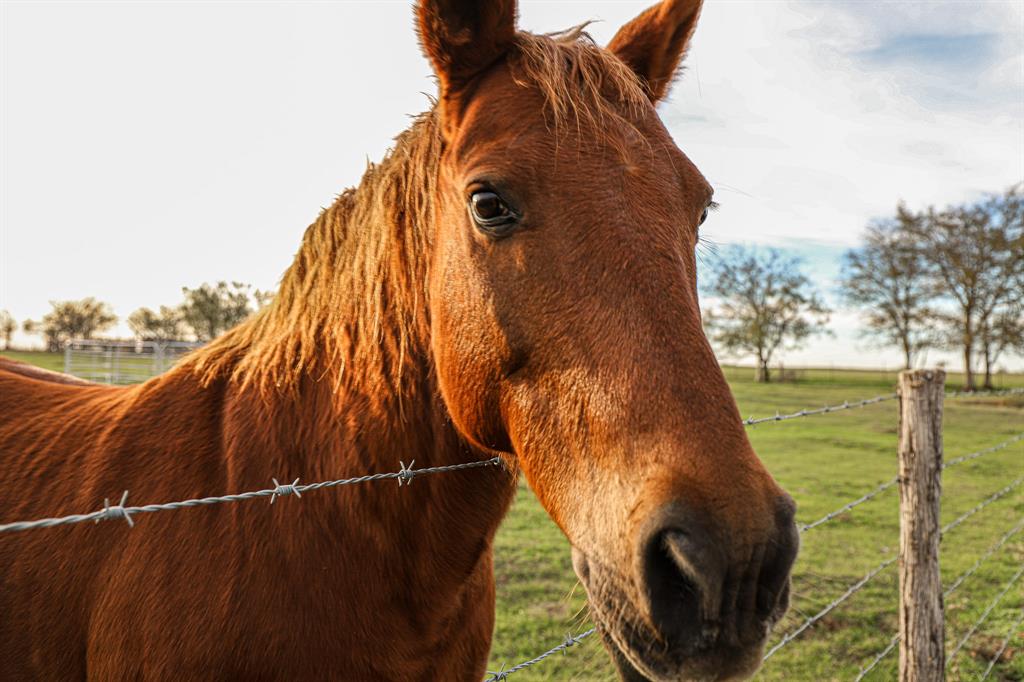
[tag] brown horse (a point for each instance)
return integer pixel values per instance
(516, 278)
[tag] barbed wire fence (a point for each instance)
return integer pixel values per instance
(407, 473)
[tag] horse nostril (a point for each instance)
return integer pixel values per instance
(683, 589)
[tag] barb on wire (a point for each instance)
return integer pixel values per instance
(502, 674)
(984, 615)
(406, 473)
(119, 511)
(853, 589)
(821, 410)
(952, 588)
(116, 511)
(282, 490)
(981, 505)
(1002, 647)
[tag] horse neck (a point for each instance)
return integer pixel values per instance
(439, 529)
(335, 380)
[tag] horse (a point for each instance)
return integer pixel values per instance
(516, 279)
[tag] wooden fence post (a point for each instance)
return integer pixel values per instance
(922, 645)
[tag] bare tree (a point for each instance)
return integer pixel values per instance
(763, 303)
(72, 319)
(977, 251)
(888, 279)
(7, 327)
(166, 325)
(998, 333)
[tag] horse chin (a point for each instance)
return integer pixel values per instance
(722, 666)
(640, 656)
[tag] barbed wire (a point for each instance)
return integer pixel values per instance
(974, 455)
(989, 552)
(404, 476)
(850, 505)
(984, 615)
(952, 588)
(878, 659)
(856, 587)
(853, 589)
(570, 640)
(981, 505)
(846, 405)
(1002, 647)
(893, 481)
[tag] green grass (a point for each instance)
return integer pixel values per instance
(127, 367)
(40, 358)
(823, 461)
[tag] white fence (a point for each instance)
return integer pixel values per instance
(121, 362)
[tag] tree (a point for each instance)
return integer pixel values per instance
(1000, 332)
(763, 304)
(166, 325)
(262, 298)
(889, 280)
(72, 320)
(977, 251)
(211, 310)
(7, 327)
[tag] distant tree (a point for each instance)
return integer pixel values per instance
(889, 280)
(262, 298)
(166, 325)
(977, 251)
(1001, 332)
(764, 303)
(211, 310)
(7, 327)
(72, 320)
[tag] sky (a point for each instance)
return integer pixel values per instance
(153, 145)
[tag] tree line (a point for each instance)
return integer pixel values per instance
(950, 279)
(206, 311)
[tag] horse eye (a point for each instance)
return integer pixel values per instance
(491, 214)
(488, 205)
(703, 217)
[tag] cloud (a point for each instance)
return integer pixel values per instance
(154, 145)
(823, 115)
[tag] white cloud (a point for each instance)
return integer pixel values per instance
(156, 145)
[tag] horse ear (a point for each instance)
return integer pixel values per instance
(654, 43)
(462, 38)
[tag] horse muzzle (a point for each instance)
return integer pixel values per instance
(697, 607)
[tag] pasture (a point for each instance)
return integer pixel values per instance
(823, 461)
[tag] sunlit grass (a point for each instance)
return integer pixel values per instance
(823, 461)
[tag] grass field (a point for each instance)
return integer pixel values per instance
(51, 361)
(824, 462)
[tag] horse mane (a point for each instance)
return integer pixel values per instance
(355, 295)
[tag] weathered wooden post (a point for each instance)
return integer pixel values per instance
(922, 645)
